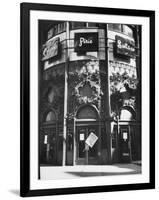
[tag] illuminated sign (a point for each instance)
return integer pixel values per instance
(85, 42)
(124, 47)
(50, 49)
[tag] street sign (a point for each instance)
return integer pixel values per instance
(91, 140)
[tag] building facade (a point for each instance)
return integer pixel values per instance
(89, 93)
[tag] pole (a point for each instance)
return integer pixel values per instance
(108, 111)
(74, 141)
(107, 96)
(65, 95)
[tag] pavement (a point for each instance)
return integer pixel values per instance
(70, 172)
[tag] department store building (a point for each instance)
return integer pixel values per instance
(89, 93)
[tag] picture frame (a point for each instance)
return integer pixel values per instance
(58, 44)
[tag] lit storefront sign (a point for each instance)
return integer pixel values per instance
(86, 42)
(124, 47)
(50, 49)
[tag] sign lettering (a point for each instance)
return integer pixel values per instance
(125, 47)
(50, 49)
(85, 42)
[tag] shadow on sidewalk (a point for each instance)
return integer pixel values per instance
(87, 174)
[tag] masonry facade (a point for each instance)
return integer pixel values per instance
(89, 93)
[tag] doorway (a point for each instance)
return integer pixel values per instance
(125, 144)
(86, 154)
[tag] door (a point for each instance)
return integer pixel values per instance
(124, 145)
(48, 146)
(87, 152)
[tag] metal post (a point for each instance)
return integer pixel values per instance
(74, 141)
(118, 137)
(108, 112)
(66, 94)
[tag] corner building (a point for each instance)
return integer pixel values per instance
(89, 93)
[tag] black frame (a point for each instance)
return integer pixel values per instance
(25, 94)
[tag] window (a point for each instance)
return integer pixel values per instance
(127, 30)
(56, 29)
(50, 117)
(50, 33)
(92, 25)
(126, 115)
(115, 27)
(121, 28)
(61, 27)
(86, 91)
(75, 25)
(87, 112)
(51, 95)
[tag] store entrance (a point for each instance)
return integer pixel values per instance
(87, 145)
(125, 144)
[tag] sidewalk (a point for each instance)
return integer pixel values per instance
(66, 172)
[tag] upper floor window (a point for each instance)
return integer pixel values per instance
(115, 27)
(86, 91)
(50, 117)
(125, 29)
(76, 25)
(92, 25)
(56, 29)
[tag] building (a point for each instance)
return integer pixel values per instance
(89, 93)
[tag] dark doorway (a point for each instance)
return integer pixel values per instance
(124, 144)
(85, 154)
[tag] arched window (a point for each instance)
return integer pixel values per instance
(127, 114)
(87, 112)
(50, 117)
